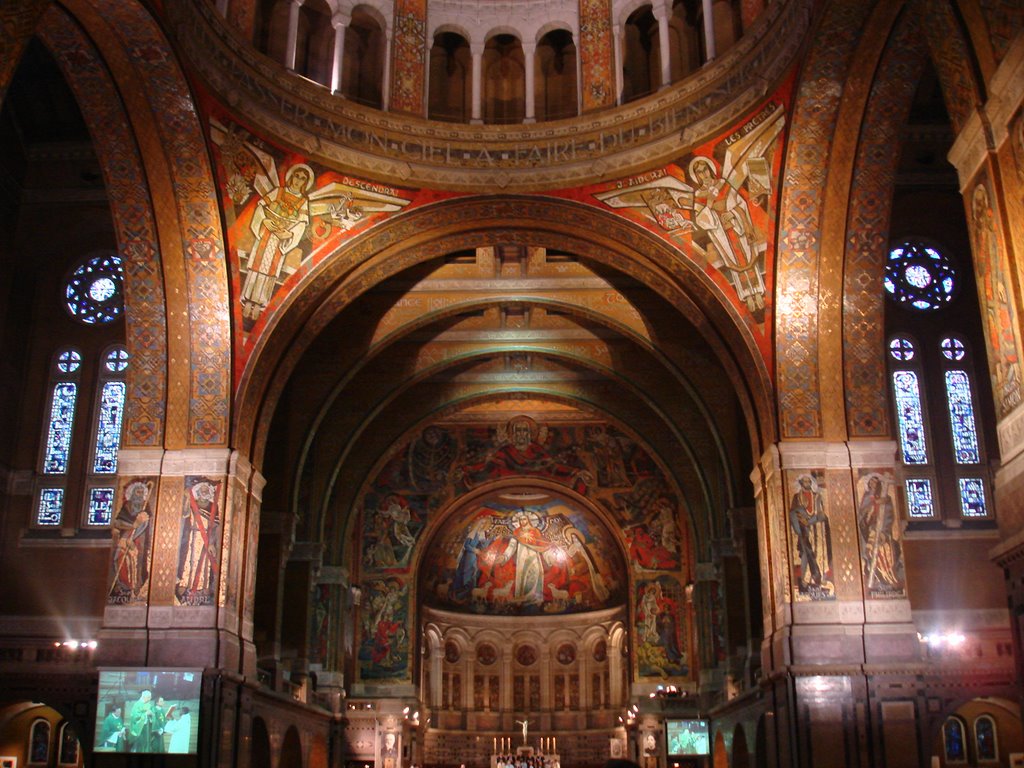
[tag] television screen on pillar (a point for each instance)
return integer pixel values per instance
(688, 737)
(148, 710)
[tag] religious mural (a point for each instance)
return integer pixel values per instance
(524, 556)
(384, 648)
(516, 555)
(810, 539)
(199, 535)
(661, 638)
(285, 214)
(717, 205)
(994, 293)
(132, 531)
(880, 540)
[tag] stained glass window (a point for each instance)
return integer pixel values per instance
(39, 742)
(69, 361)
(101, 506)
(117, 360)
(108, 430)
(68, 745)
(909, 414)
(972, 497)
(952, 349)
(93, 294)
(51, 506)
(919, 498)
(919, 276)
(985, 738)
(62, 419)
(901, 349)
(953, 741)
(961, 417)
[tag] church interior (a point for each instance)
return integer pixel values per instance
(493, 384)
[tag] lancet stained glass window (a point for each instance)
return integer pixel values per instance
(919, 498)
(953, 741)
(911, 422)
(985, 738)
(108, 430)
(101, 506)
(51, 506)
(62, 420)
(972, 497)
(961, 417)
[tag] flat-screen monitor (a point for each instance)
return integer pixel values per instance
(688, 737)
(148, 710)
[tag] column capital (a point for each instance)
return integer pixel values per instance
(341, 20)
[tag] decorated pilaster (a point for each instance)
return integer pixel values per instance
(839, 635)
(183, 534)
(989, 157)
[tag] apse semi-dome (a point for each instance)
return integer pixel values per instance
(523, 553)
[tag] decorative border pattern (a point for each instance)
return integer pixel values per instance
(814, 123)
(192, 179)
(868, 218)
(952, 58)
(146, 331)
(18, 20)
(409, 57)
(596, 47)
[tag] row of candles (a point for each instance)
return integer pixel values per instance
(547, 744)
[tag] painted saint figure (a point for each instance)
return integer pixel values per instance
(133, 535)
(198, 544)
(527, 545)
(876, 517)
(813, 538)
(722, 214)
(279, 222)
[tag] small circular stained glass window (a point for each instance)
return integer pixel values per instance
(953, 349)
(117, 360)
(901, 349)
(920, 276)
(69, 361)
(94, 293)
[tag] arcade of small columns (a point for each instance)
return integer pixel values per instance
(491, 18)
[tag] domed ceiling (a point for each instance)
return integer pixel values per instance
(523, 552)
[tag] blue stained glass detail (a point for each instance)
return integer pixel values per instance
(972, 497)
(69, 361)
(901, 349)
(51, 506)
(919, 276)
(117, 360)
(919, 498)
(961, 417)
(101, 505)
(108, 432)
(58, 438)
(953, 349)
(93, 293)
(953, 738)
(908, 412)
(985, 737)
